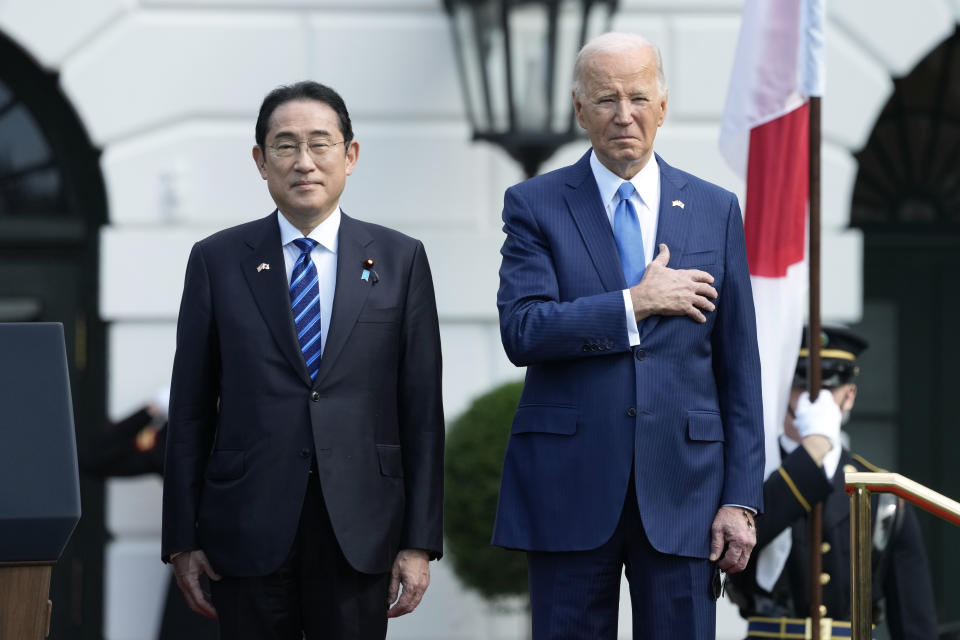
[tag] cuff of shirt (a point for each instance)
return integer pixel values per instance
(740, 506)
(831, 461)
(633, 333)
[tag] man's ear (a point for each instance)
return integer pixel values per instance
(577, 108)
(259, 158)
(353, 154)
(849, 397)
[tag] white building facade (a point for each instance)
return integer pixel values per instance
(169, 90)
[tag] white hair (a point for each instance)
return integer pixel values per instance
(616, 42)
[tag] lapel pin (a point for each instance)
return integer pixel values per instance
(262, 266)
(368, 273)
(678, 203)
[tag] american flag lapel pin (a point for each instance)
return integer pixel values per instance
(678, 203)
(262, 266)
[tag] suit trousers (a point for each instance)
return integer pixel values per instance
(314, 595)
(575, 595)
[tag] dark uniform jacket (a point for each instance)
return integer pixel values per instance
(134, 446)
(901, 576)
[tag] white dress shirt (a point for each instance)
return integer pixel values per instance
(646, 202)
(324, 257)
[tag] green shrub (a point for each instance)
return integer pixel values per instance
(476, 443)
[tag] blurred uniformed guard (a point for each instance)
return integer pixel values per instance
(774, 592)
(134, 446)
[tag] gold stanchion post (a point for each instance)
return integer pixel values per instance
(861, 605)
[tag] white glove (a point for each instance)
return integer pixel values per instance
(821, 418)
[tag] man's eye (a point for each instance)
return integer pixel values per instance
(319, 147)
(285, 146)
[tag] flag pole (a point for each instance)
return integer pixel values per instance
(813, 343)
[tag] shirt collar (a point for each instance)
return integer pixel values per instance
(326, 233)
(646, 182)
(788, 444)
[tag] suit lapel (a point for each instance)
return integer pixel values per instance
(673, 225)
(587, 209)
(351, 292)
(270, 289)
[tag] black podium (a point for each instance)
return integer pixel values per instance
(39, 483)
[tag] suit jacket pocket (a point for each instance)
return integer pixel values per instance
(543, 418)
(372, 314)
(225, 464)
(705, 426)
(391, 460)
(696, 260)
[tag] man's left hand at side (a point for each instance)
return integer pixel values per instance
(733, 529)
(411, 569)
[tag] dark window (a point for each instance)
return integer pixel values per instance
(30, 182)
(910, 168)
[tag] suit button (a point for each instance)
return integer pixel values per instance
(632, 412)
(315, 396)
(304, 453)
(641, 354)
(825, 547)
(824, 578)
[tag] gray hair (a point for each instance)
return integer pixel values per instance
(616, 42)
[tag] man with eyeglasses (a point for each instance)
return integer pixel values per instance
(305, 439)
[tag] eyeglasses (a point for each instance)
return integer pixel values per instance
(316, 148)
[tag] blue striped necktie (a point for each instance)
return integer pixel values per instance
(626, 230)
(305, 297)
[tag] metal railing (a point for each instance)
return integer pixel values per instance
(860, 485)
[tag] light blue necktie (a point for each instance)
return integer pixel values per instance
(305, 297)
(626, 229)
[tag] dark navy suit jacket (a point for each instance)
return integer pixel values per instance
(682, 409)
(245, 418)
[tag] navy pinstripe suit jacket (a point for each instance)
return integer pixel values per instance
(683, 408)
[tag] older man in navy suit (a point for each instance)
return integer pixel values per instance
(305, 439)
(638, 440)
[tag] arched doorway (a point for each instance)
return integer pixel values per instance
(907, 203)
(52, 204)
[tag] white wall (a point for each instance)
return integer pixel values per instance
(170, 88)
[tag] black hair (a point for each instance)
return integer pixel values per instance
(304, 90)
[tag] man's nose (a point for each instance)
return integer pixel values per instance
(624, 114)
(303, 161)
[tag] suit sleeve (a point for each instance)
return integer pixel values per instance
(736, 367)
(536, 326)
(193, 408)
(907, 585)
(421, 413)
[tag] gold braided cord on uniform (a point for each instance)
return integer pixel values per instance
(868, 465)
(793, 487)
(830, 353)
